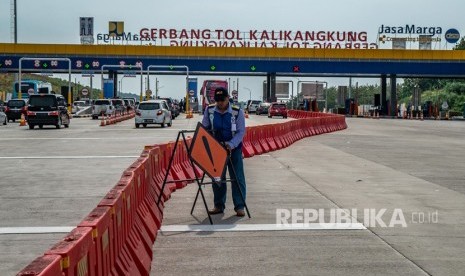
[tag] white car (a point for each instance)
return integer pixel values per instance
(253, 105)
(153, 112)
(102, 107)
(77, 106)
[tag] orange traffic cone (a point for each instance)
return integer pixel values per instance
(22, 121)
(102, 123)
(189, 114)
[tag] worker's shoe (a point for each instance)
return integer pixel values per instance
(240, 213)
(215, 211)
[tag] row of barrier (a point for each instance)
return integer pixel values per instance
(116, 118)
(116, 238)
(262, 139)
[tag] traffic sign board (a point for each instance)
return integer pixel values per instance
(85, 91)
(452, 36)
(191, 92)
(208, 153)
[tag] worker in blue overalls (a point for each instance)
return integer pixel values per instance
(227, 124)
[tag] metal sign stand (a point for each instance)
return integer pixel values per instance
(221, 183)
(200, 182)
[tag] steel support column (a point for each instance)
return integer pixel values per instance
(384, 107)
(270, 88)
(393, 99)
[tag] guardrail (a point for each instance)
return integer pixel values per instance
(116, 237)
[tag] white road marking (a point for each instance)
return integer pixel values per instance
(68, 157)
(261, 227)
(35, 230)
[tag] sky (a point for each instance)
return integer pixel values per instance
(57, 21)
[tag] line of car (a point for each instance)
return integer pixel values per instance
(271, 109)
(108, 107)
(50, 109)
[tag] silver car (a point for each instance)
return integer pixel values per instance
(153, 112)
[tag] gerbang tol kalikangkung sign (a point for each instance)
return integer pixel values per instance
(251, 38)
(259, 38)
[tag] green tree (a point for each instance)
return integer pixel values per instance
(460, 45)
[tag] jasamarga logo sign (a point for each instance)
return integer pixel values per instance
(124, 37)
(410, 30)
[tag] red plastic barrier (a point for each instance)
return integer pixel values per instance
(77, 251)
(47, 265)
(124, 263)
(144, 204)
(140, 225)
(275, 128)
(165, 153)
(185, 163)
(247, 148)
(154, 182)
(255, 140)
(99, 220)
(306, 128)
(176, 169)
(262, 139)
(287, 134)
(269, 137)
(279, 135)
(160, 170)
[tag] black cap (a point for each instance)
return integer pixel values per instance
(220, 94)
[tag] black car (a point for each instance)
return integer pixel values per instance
(47, 109)
(14, 109)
